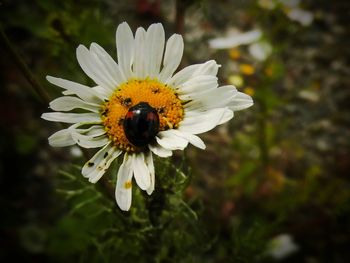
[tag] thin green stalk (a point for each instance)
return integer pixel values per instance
(262, 138)
(38, 89)
(180, 16)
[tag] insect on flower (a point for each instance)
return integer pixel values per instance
(141, 124)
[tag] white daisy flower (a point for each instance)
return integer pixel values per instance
(139, 106)
(282, 246)
(235, 38)
(304, 17)
(258, 48)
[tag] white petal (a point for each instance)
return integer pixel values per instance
(61, 138)
(110, 65)
(138, 67)
(67, 103)
(214, 98)
(183, 75)
(82, 91)
(92, 164)
(170, 140)
(102, 168)
(160, 151)
(123, 190)
(99, 163)
(172, 57)
(102, 92)
(94, 68)
(240, 102)
(71, 117)
(141, 172)
(191, 138)
(105, 93)
(196, 86)
(64, 137)
(228, 115)
(89, 141)
(208, 68)
(195, 140)
(200, 122)
(94, 131)
(150, 165)
(154, 48)
(125, 48)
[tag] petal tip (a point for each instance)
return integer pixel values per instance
(149, 191)
(124, 208)
(93, 180)
(123, 204)
(203, 147)
(80, 49)
(44, 116)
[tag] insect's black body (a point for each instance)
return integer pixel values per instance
(141, 124)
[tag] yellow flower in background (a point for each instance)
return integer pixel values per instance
(269, 71)
(249, 90)
(267, 4)
(247, 69)
(235, 80)
(234, 53)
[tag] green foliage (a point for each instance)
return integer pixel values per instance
(94, 229)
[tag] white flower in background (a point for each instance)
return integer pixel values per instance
(139, 106)
(75, 151)
(291, 9)
(282, 246)
(272, 4)
(290, 3)
(258, 48)
(267, 4)
(301, 16)
(235, 39)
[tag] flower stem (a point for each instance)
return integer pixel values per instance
(104, 185)
(180, 16)
(38, 89)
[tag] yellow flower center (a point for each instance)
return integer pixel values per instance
(157, 95)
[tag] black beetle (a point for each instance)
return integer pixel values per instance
(141, 124)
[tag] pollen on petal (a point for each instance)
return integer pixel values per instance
(127, 185)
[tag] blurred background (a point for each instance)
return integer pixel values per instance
(273, 185)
